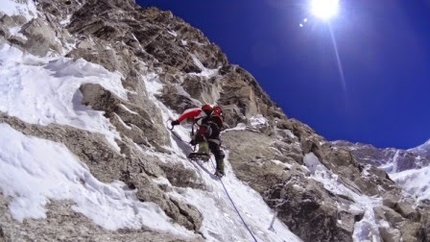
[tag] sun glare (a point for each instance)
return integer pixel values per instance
(324, 9)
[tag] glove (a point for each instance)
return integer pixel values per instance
(174, 122)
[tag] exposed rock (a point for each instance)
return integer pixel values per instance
(406, 210)
(180, 177)
(173, 99)
(134, 121)
(369, 179)
(107, 165)
(302, 204)
(1, 234)
(242, 90)
(390, 199)
(41, 38)
(17, 40)
(255, 163)
(424, 208)
(388, 215)
(199, 89)
(409, 229)
(184, 214)
(413, 232)
(390, 234)
(299, 200)
(7, 21)
(64, 224)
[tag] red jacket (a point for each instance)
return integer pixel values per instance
(191, 113)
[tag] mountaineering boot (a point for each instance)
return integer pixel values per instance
(219, 173)
(199, 156)
(202, 153)
(219, 168)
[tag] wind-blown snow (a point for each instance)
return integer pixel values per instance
(27, 9)
(415, 182)
(46, 90)
(15, 31)
(258, 120)
(204, 71)
(172, 33)
(33, 171)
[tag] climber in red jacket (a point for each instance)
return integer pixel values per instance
(210, 121)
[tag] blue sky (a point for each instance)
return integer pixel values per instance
(384, 54)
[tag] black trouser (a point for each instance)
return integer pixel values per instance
(215, 147)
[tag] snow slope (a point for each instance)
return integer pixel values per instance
(34, 171)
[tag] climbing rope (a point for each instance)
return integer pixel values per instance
(234, 205)
(223, 185)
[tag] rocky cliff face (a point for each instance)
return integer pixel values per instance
(282, 159)
(394, 162)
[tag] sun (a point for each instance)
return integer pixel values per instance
(324, 9)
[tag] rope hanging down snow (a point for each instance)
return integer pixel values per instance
(234, 205)
(223, 185)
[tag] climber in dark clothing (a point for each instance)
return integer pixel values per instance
(210, 121)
